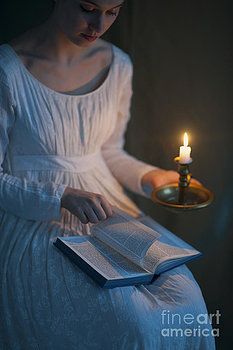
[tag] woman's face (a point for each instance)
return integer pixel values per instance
(83, 21)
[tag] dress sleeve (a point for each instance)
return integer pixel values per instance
(28, 200)
(126, 169)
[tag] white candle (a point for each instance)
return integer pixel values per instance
(185, 151)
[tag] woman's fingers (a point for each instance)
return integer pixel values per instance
(98, 209)
(106, 206)
(165, 177)
(91, 215)
(100, 213)
(196, 182)
(102, 208)
(172, 176)
(87, 206)
(82, 216)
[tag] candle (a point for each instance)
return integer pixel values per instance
(185, 151)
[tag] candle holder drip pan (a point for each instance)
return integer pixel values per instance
(193, 197)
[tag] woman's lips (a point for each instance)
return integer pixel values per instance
(89, 37)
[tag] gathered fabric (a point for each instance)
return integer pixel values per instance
(51, 162)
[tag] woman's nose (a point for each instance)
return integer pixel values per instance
(97, 24)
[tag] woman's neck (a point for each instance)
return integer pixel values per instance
(46, 41)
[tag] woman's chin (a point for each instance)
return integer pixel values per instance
(81, 41)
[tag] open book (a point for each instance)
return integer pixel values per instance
(123, 251)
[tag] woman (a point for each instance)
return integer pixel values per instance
(64, 106)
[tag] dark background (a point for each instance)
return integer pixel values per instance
(182, 55)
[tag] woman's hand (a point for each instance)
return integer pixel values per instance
(87, 206)
(160, 177)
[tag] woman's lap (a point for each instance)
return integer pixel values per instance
(49, 303)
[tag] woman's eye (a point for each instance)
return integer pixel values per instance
(92, 9)
(87, 9)
(113, 13)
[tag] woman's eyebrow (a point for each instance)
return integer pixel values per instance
(91, 2)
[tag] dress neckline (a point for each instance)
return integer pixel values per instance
(63, 94)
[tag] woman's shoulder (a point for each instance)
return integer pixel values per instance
(121, 57)
(5, 55)
(7, 62)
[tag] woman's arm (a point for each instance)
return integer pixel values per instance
(133, 174)
(128, 170)
(26, 199)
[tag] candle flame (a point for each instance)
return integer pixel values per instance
(186, 140)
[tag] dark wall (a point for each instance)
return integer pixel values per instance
(182, 54)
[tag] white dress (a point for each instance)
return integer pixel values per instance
(49, 140)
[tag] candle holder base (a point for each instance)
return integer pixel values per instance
(195, 197)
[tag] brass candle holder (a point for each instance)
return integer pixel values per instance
(182, 195)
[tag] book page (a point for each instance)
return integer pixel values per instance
(161, 252)
(168, 250)
(104, 259)
(126, 235)
(166, 236)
